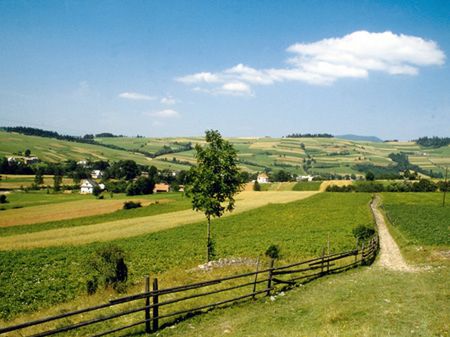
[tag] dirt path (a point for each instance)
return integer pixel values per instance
(390, 256)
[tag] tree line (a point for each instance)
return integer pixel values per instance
(433, 141)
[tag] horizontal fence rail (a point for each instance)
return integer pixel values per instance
(154, 305)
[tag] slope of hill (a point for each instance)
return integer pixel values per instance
(54, 150)
(296, 155)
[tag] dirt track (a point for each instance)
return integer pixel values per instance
(390, 256)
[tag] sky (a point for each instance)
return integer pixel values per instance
(245, 68)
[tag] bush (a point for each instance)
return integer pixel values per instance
(363, 232)
(131, 205)
(108, 265)
(3, 199)
(256, 186)
(273, 252)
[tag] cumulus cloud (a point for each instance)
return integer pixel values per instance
(204, 77)
(169, 100)
(167, 113)
(136, 96)
(355, 55)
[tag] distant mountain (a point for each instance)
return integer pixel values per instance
(360, 138)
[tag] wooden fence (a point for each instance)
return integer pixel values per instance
(153, 308)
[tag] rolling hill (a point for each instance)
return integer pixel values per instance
(296, 155)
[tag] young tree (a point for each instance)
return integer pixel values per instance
(27, 152)
(57, 180)
(370, 176)
(214, 181)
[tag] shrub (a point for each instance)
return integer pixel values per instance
(108, 265)
(363, 232)
(273, 252)
(131, 205)
(3, 199)
(92, 286)
(256, 186)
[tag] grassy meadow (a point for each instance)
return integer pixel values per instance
(40, 278)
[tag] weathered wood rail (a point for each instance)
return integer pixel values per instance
(152, 310)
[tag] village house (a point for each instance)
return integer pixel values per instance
(305, 178)
(96, 174)
(262, 178)
(87, 186)
(161, 188)
(31, 160)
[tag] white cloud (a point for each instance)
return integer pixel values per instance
(136, 96)
(167, 113)
(168, 100)
(236, 88)
(355, 55)
(204, 77)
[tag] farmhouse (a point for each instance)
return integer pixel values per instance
(305, 178)
(96, 174)
(161, 188)
(31, 160)
(88, 185)
(262, 178)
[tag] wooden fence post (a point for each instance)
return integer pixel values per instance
(269, 281)
(356, 250)
(256, 277)
(328, 254)
(155, 301)
(362, 254)
(147, 304)
(323, 257)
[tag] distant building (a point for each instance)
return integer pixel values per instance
(305, 178)
(181, 188)
(262, 178)
(87, 186)
(31, 160)
(12, 160)
(96, 174)
(82, 163)
(161, 188)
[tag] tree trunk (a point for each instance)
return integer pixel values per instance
(208, 242)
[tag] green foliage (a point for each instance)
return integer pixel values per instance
(96, 191)
(256, 186)
(142, 185)
(131, 205)
(370, 176)
(363, 232)
(3, 199)
(57, 179)
(273, 251)
(215, 179)
(420, 217)
(108, 265)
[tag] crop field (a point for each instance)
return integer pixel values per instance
(61, 211)
(420, 225)
(115, 229)
(16, 181)
(307, 186)
(42, 277)
(331, 155)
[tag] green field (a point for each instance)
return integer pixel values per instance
(329, 155)
(39, 278)
(365, 302)
(419, 224)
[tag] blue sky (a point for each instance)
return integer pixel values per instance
(246, 68)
